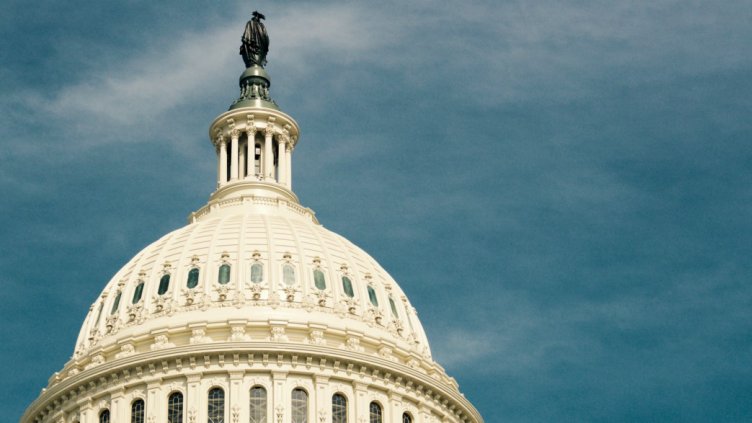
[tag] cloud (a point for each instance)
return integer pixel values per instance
(146, 94)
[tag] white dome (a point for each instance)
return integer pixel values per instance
(252, 312)
(355, 295)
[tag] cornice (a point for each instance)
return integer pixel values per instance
(240, 356)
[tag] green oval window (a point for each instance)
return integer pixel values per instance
(164, 284)
(192, 281)
(393, 307)
(372, 296)
(257, 273)
(116, 303)
(319, 280)
(347, 286)
(224, 274)
(288, 274)
(137, 293)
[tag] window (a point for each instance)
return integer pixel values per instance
(372, 296)
(299, 406)
(406, 418)
(138, 292)
(175, 408)
(258, 404)
(192, 280)
(137, 411)
(216, 406)
(375, 412)
(257, 272)
(116, 303)
(288, 274)
(104, 416)
(224, 274)
(339, 409)
(257, 159)
(164, 284)
(99, 313)
(347, 286)
(319, 280)
(393, 307)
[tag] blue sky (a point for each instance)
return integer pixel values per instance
(561, 187)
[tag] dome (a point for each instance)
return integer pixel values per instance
(253, 311)
(253, 264)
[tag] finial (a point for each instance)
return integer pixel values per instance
(255, 42)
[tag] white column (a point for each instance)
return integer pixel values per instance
(193, 398)
(321, 396)
(281, 162)
(288, 165)
(118, 407)
(394, 410)
(234, 154)
(153, 401)
(222, 161)
(251, 154)
(234, 398)
(268, 155)
(86, 414)
(360, 391)
(241, 161)
(281, 397)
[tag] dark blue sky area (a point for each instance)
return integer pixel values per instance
(561, 187)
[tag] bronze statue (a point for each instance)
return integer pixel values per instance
(255, 42)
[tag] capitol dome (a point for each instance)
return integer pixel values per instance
(253, 311)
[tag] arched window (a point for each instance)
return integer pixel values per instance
(175, 408)
(393, 307)
(257, 272)
(116, 303)
(372, 296)
(375, 412)
(192, 280)
(224, 274)
(299, 405)
(406, 418)
(164, 284)
(347, 286)
(138, 292)
(137, 411)
(104, 416)
(288, 274)
(258, 404)
(339, 408)
(319, 280)
(216, 406)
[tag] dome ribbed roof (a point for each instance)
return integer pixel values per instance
(276, 236)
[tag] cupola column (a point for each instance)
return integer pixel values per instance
(234, 162)
(288, 165)
(251, 153)
(268, 154)
(282, 162)
(222, 177)
(242, 169)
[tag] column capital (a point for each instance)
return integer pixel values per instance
(234, 133)
(269, 130)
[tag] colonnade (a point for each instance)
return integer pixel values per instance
(241, 164)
